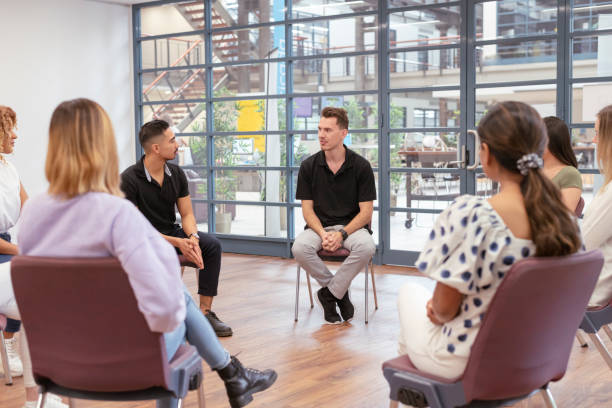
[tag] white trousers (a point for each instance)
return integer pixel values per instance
(418, 334)
(8, 307)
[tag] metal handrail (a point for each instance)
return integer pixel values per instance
(175, 63)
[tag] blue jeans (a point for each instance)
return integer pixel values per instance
(199, 333)
(12, 325)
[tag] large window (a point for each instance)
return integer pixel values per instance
(243, 83)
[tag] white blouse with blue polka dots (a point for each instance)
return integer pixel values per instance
(470, 249)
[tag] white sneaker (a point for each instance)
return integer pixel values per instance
(13, 357)
(52, 401)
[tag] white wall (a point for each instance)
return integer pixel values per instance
(57, 50)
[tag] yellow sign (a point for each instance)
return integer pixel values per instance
(251, 118)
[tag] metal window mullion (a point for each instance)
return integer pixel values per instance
(254, 203)
(581, 125)
(315, 131)
(516, 83)
(425, 129)
(468, 86)
(589, 80)
(384, 154)
(170, 35)
(175, 68)
(520, 39)
(174, 102)
(241, 98)
(426, 89)
(586, 33)
(336, 93)
(393, 10)
(424, 170)
(249, 168)
(289, 125)
(331, 17)
(564, 61)
(137, 50)
(210, 153)
(433, 47)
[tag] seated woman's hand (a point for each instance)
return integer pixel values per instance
(431, 314)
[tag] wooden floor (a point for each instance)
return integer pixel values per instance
(323, 365)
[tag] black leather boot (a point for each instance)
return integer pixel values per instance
(241, 383)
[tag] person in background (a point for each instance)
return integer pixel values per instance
(84, 214)
(12, 198)
(560, 164)
(597, 222)
(476, 240)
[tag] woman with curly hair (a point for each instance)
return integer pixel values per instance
(12, 199)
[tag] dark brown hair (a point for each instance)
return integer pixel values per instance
(152, 129)
(604, 143)
(559, 141)
(339, 114)
(512, 130)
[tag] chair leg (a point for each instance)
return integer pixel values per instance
(605, 354)
(373, 284)
(548, 398)
(581, 340)
(42, 397)
(297, 292)
(201, 399)
(309, 289)
(608, 331)
(179, 403)
(8, 378)
(366, 294)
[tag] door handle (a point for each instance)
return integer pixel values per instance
(460, 162)
(476, 150)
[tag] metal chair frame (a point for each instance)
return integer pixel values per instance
(337, 259)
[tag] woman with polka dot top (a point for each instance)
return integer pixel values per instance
(475, 242)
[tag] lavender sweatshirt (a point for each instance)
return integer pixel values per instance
(102, 225)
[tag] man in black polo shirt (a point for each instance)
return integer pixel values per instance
(155, 187)
(337, 190)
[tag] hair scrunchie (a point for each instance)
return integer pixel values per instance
(529, 161)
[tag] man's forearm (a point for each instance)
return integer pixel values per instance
(172, 240)
(361, 220)
(189, 224)
(313, 222)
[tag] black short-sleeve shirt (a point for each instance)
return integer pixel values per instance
(157, 203)
(336, 197)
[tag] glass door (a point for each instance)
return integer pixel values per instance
(426, 127)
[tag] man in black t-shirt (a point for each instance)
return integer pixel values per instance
(156, 187)
(337, 189)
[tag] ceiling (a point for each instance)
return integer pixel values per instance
(125, 2)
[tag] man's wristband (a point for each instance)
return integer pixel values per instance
(195, 235)
(344, 234)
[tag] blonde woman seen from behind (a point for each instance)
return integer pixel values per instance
(597, 224)
(84, 214)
